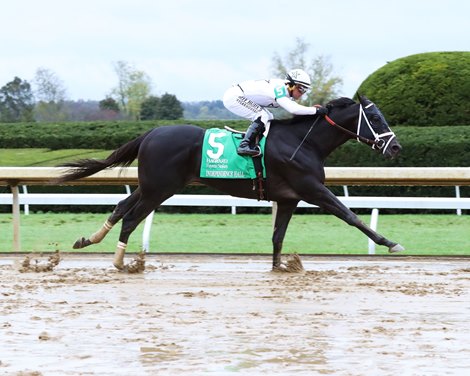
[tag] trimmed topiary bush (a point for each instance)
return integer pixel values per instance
(424, 89)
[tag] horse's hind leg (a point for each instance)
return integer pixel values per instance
(130, 221)
(121, 208)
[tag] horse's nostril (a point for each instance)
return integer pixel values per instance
(396, 148)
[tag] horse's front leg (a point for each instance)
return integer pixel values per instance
(282, 212)
(328, 201)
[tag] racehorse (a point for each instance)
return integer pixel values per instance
(169, 158)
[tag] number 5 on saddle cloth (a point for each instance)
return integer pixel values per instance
(220, 160)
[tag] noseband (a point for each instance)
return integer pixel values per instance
(378, 143)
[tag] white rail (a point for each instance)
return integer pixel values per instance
(366, 202)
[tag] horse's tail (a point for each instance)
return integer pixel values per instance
(123, 156)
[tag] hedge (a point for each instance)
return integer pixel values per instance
(87, 135)
(428, 146)
(422, 147)
(423, 89)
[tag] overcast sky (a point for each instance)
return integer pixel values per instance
(195, 49)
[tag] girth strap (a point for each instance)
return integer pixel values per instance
(259, 183)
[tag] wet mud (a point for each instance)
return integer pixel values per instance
(223, 315)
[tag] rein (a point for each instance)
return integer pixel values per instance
(298, 147)
(351, 133)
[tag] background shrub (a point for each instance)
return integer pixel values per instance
(424, 89)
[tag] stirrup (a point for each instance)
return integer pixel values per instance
(256, 152)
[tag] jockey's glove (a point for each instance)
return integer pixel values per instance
(321, 110)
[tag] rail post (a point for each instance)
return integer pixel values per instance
(16, 217)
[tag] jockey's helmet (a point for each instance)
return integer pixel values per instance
(299, 77)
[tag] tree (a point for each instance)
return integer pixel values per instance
(16, 102)
(133, 88)
(50, 95)
(89, 110)
(166, 107)
(150, 108)
(206, 110)
(170, 107)
(109, 104)
(325, 86)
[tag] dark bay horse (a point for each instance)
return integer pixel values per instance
(169, 158)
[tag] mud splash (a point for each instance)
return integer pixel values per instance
(39, 266)
(137, 265)
(293, 264)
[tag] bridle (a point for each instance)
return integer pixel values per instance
(378, 143)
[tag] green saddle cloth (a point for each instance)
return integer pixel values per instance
(220, 159)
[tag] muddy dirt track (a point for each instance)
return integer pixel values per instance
(224, 315)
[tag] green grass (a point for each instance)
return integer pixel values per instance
(445, 234)
(45, 157)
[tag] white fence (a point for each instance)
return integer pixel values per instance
(357, 176)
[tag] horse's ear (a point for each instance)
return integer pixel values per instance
(359, 97)
(363, 99)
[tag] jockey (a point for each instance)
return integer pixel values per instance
(249, 99)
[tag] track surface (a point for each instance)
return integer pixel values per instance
(223, 315)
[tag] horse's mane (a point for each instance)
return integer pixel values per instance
(338, 102)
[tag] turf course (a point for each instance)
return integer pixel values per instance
(46, 157)
(426, 234)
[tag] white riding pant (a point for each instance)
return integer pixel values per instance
(235, 101)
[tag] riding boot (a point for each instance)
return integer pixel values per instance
(254, 130)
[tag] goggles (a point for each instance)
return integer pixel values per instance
(302, 89)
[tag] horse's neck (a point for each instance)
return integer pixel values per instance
(325, 139)
(331, 137)
(322, 139)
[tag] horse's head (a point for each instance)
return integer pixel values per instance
(367, 124)
(373, 126)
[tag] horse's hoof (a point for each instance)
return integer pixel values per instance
(396, 248)
(81, 243)
(280, 268)
(119, 266)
